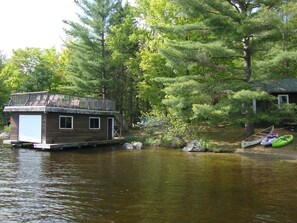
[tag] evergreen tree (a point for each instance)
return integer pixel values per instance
(277, 58)
(215, 49)
(90, 61)
(123, 41)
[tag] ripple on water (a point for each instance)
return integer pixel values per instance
(145, 186)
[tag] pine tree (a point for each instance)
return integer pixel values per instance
(277, 58)
(216, 47)
(90, 61)
(123, 42)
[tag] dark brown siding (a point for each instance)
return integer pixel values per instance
(14, 122)
(80, 131)
(292, 97)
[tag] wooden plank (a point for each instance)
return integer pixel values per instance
(61, 146)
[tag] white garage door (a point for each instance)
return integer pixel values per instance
(30, 128)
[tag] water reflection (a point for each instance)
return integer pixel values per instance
(113, 185)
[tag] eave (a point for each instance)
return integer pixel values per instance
(48, 109)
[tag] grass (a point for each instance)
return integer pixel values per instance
(135, 135)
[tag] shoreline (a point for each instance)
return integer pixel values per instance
(225, 141)
(259, 150)
(228, 140)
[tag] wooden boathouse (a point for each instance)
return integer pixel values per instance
(56, 121)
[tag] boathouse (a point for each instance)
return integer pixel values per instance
(50, 120)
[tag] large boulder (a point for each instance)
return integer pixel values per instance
(132, 145)
(137, 145)
(194, 146)
(128, 146)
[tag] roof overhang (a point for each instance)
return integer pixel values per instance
(47, 109)
(286, 85)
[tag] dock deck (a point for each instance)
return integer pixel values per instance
(61, 146)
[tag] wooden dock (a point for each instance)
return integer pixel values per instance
(61, 146)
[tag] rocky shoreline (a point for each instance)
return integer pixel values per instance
(289, 152)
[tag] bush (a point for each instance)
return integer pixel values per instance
(7, 129)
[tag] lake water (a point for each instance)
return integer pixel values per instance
(152, 185)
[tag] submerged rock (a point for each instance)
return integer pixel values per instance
(132, 145)
(194, 146)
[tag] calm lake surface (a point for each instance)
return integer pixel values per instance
(152, 185)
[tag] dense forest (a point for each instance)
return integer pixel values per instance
(182, 64)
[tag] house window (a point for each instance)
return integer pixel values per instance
(66, 122)
(282, 99)
(94, 123)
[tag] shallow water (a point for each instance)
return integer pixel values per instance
(152, 185)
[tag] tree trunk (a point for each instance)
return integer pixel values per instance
(247, 58)
(103, 55)
(249, 127)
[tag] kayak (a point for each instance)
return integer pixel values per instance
(267, 141)
(282, 141)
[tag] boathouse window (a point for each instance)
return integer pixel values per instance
(282, 99)
(94, 123)
(66, 122)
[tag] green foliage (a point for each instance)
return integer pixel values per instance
(32, 69)
(217, 49)
(287, 113)
(154, 14)
(7, 129)
(2, 60)
(4, 92)
(103, 54)
(90, 61)
(152, 65)
(123, 41)
(187, 62)
(211, 114)
(277, 56)
(161, 131)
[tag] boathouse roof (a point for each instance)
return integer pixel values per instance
(52, 102)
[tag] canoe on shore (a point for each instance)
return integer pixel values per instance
(257, 137)
(282, 141)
